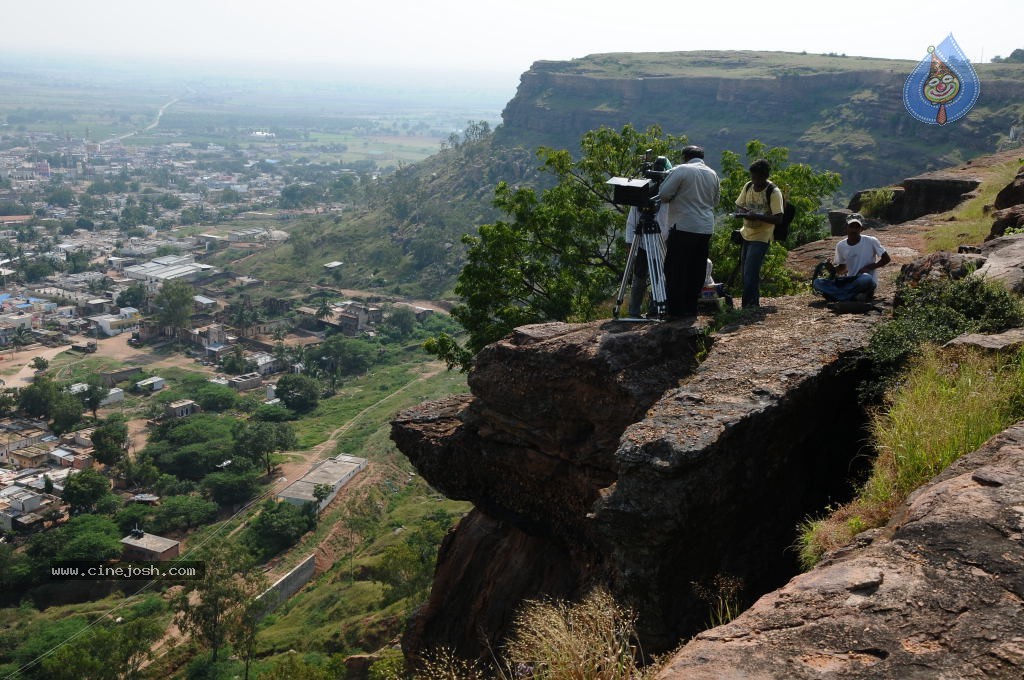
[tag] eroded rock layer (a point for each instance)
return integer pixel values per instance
(602, 454)
(938, 593)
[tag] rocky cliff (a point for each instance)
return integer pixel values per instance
(935, 594)
(635, 456)
(835, 112)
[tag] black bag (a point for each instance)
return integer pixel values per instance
(781, 232)
(736, 237)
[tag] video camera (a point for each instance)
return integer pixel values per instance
(641, 192)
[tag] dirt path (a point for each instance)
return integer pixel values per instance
(22, 360)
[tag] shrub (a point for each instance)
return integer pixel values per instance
(876, 202)
(949, 404)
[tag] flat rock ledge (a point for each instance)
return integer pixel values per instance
(937, 593)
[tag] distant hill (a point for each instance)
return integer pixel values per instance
(835, 112)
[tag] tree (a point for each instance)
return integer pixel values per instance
(401, 322)
(278, 526)
(560, 254)
(298, 392)
(40, 363)
(320, 493)
(111, 652)
(207, 615)
(83, 490)
(177, 513)
(65, 412)
(173, 305)
(38, 399)
(94, 394)
(324, 309)
(133, 296)
(110, 440)
(243, 316)
(259, 440)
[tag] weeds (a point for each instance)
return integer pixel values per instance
(722, 597)
(554, 640)
(876, 202)
(949, 403)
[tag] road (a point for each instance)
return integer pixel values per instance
(156, 122)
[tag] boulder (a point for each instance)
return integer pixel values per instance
(1010, 195)
(941, 265)
(1005, 262)
(1007, 341)
(935, 594)
(1007, 218)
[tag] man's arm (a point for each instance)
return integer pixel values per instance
(670, 186)
(871, 266)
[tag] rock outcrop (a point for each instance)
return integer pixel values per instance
(604, 454)
(923, 195)
(935, 594)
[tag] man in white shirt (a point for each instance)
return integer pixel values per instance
(857, 260)
(691, 191)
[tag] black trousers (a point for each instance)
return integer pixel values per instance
(686, 262)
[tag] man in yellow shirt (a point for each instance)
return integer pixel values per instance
(760, 212)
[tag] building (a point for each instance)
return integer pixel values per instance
(151, 384)
(138, 545)
(181, 408)
(246, 381)
(335, 472)
(126, 319)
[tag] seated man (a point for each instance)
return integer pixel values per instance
(857, 260)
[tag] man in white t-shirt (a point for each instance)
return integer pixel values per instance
(857, 260)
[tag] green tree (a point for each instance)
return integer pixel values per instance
(133, 296)
(298, 392)
(95, 392)
(260, 440)
(173, 305)
(177, 513)
(230, 488)
(110, 440)
(278, 526)
(560, 253)
(401, 322)
(320, 493)
(83, 490)
(206, 616)
(65, 412)
(115, 652)
(40, 363)
(38, 399)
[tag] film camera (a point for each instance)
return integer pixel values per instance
(641, 192)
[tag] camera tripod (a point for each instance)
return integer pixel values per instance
(647, 235)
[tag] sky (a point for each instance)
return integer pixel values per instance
(488, 41)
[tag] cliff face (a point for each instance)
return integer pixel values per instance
(935, 594)
(834, 113)
(602, 453)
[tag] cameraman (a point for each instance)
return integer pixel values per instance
(691, 192)
(641, 277)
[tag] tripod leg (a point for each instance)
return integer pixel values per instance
(655, 248)
(627, 275)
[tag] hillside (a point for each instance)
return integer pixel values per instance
(835, 112)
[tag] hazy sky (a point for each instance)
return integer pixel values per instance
(498, 40)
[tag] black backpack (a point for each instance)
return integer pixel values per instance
(781, 232)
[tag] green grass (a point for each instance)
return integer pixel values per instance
(949, 404)
(970, 223)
